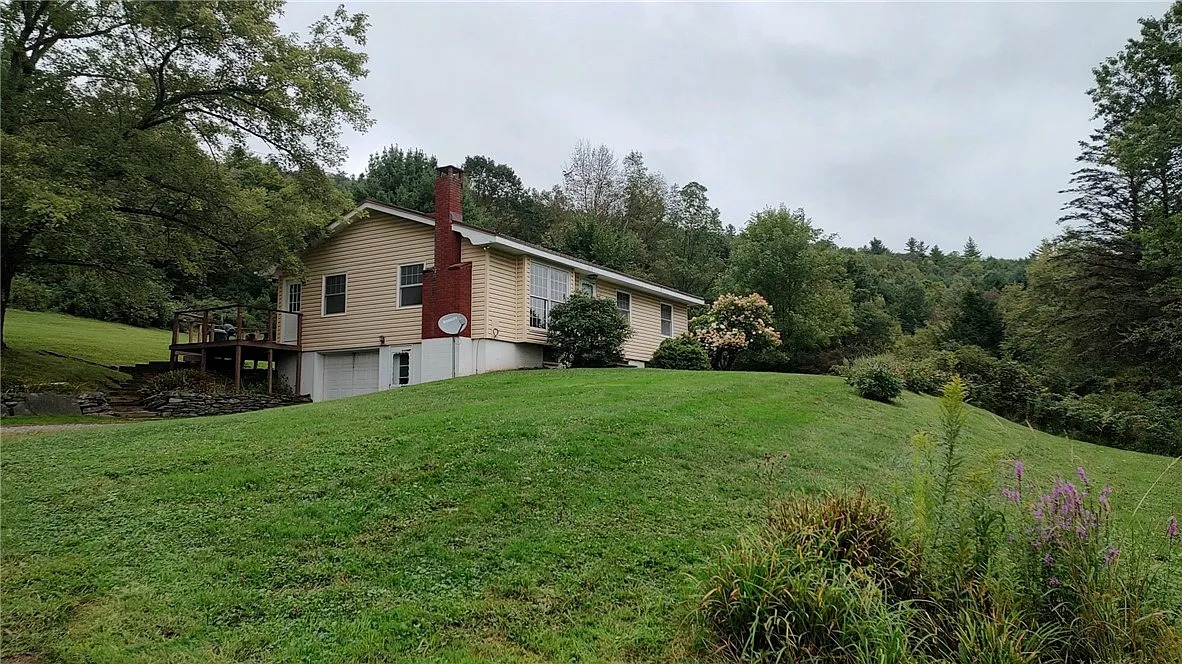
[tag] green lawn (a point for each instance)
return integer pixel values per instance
(531, 516)
(27, 332)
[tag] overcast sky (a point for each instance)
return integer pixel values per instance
(891, 120)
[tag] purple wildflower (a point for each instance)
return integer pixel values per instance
(1048, 560)
(1019, 469)
(1111, 555)
(1011, 495)
(1054, 581)
(1083, 477)
(1104, 498)
(1172, 527)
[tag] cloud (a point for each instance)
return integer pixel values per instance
(891, 120)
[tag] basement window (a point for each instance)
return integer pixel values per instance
(334, 294)
(410, 285)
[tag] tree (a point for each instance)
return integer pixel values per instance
(646, 207)
(496, 199)
(971, 251)
(588, 332)
(878, 248)
(915, 248)
(695, 250)
(732, 325)
(119, 122)
(591, 182)
(399, 177)
(1119, 262)
(583, 236)
(800, 272)
(976, 321)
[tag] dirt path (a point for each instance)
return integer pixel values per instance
(47, 428)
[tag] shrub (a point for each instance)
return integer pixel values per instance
(588, 332)
(1128, 420)
(809, 585)
(683, 352)
(925, 376)
(874, 379)
(733, 325)
(189, 380)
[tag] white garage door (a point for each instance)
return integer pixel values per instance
(350, 374)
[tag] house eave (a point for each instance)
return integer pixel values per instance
(482, 238)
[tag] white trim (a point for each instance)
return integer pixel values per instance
(287, 284)
(570, 275)
(398, 289)
(482, 238)
(660, 314)
(628, 295)
(324, 294)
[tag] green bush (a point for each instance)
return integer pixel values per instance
(926, 376)
(588, 332)
(814, 584)
(1145, 423)
(682, 352)
(1118, 417)
(189, 380)
(873, 379)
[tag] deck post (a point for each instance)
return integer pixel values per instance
(237, 366)
(299, 371)
(238, 334)
(270, 368)
(203, 350)
(299, 351)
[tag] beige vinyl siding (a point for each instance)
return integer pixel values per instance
(369, 252)
(645, 320)
(532, 334)
(478, 256)
(507, 314)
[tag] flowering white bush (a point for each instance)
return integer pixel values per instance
(733, 324)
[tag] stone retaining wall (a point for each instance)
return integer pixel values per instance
(49, 403)
(179, 403)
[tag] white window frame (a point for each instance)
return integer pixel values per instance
(664, 306)
(627, 312)
(422, 272)
(324, 295)
(549, 299)
(397, 379)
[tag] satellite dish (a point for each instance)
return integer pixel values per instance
(453, 324)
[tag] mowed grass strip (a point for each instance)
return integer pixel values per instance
(111, 344)
(531, 516)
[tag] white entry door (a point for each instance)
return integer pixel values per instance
(350, 374)
(289, 323)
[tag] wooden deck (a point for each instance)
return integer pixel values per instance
(236, 334)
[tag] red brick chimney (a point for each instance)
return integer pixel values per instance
(449, 192)
(447, 288)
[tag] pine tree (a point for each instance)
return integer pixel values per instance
(971, 251)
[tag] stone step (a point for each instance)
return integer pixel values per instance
(136, 414)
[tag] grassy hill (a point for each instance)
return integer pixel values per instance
(531, 516)
(27, 332)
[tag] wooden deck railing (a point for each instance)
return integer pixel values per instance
(238, 323)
